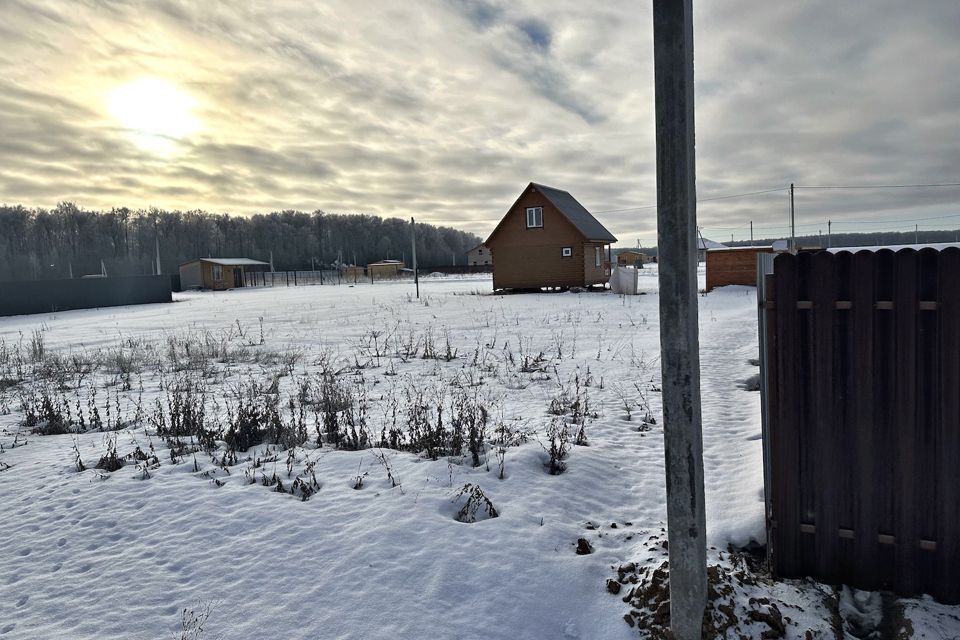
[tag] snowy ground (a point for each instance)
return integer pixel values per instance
(97, 554)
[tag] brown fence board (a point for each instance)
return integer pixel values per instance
(862, 398)
(905, 311)
(824, 469)
(786, 450)
(948, 434)
(860, 381)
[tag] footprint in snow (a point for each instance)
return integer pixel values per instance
(8, 628)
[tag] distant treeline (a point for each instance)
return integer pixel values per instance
(40, 243)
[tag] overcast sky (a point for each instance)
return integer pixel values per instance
(445, 109)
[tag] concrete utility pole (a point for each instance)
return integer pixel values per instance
(413, 244)
(679, 340)
(916, 234)
(157, 239)
(829, 233)
(751, 233)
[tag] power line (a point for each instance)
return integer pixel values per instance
(699, 200)
(879, 186)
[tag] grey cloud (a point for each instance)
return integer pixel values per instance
(446, 110)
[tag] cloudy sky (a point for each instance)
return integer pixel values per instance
(445, 109)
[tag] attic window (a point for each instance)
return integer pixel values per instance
(567, 252)
(534, 217)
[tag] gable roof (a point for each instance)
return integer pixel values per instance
(230, 262)
(582, 220)
(707, 243)
(576, 213)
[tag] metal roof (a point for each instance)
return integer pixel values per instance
(707, 243)
(231, 262)
(575, 212)
(939, 246)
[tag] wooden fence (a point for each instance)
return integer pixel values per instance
(862, 419)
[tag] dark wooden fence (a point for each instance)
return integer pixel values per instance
(862, 408)
(44, 296)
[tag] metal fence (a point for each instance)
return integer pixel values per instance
(292, 278)
(44, 296)
(354, 275)
(862, 419)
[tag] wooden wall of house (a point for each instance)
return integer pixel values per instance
(733, 266)
(191, 275)
(592, 273)
(531, 258)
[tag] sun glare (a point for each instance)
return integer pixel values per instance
(155, 112)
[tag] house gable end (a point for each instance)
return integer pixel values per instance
(518, 208)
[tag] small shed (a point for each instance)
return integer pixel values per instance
(733, 265)
(384, 269)
(704, 245)
(218, 273)
(631, 258)
(548, 239)
(479, 256)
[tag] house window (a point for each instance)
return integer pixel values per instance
(534, 217)
(567, 252)
(598, 253)
(217, 273)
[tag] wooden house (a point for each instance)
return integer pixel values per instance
(632, 257)
(733, 265)
(218, 273)
(479, 256)
(548, 239)
(384, 269)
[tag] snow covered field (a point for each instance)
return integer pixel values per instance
(307, 540)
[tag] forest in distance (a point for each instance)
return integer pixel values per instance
(53, 243)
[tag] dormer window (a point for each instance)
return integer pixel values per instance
(534, 217)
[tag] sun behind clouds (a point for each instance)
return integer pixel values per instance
(155, 113)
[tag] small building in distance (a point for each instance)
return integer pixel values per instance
(479, 256)
(632, 257)
(733, 265)
(384, 269)
(218, 273)
(548, 239)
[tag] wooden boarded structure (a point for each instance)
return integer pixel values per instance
(733, 265)
(632, 258)
(384, 270)
(548, 239)
(218, 273)
(861, 385)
